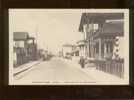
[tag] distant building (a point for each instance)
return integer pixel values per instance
(75, 51)
(41, 53)
(67, 49)
(60, 54)
(82, 48)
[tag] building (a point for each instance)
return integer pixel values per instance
(25, 48)
(41, 53)
(60, 54)
(82, 48)
(75, 51)
(67, 50)
(100, 31)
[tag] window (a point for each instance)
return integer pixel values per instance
(95, 27)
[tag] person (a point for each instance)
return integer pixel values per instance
(82, 61)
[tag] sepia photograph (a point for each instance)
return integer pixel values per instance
(68, 46)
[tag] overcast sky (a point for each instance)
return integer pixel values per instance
(54, 28)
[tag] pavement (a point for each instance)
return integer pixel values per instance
(101, 77)
(25, 67)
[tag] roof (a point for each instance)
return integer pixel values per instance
(81, 42)
(98, 17)
(75, 50)
(111, 29)
(20, 35)
(67, 45)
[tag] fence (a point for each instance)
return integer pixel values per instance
(115, 67)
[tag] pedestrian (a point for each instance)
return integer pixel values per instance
(82, 61)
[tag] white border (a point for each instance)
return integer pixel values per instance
(126, 32)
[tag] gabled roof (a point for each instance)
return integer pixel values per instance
(98, 17)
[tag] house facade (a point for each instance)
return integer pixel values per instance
(102, 33)
(25, 48)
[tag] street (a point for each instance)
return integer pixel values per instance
(55, 70)
(55, 47)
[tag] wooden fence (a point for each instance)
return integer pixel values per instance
(114, 67)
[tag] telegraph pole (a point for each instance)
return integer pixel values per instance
(36, 32)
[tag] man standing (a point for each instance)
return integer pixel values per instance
(82, 61)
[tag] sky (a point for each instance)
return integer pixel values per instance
(53, 27)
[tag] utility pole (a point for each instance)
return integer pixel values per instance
(36, 32)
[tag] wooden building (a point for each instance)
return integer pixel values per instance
(24, 50)
(100, 31)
